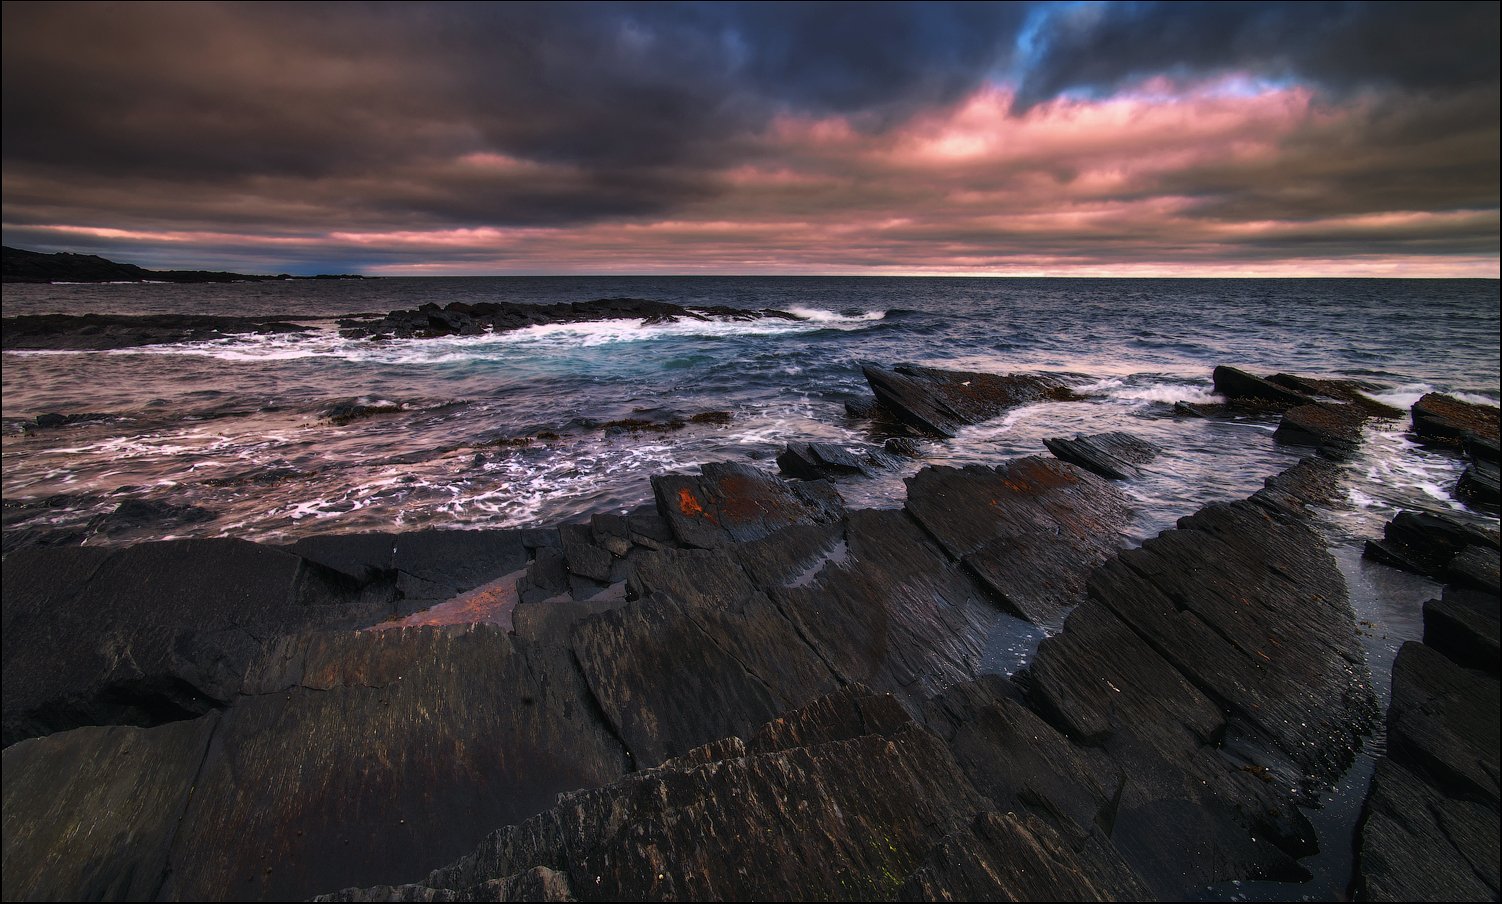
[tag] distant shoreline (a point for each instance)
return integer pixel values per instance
(21, 266)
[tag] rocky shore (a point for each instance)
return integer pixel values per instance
(748, 690)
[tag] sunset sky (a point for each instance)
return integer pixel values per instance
(1068, 139)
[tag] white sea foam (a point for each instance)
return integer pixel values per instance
(532, 340)
(819, 315)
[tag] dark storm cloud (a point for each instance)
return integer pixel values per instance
(1432, 46)
(228, 92)
(750, 137)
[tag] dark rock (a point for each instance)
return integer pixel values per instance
(436, 565)
(549, 621)
(1481, 482)
(863, 409)
(903, 447)
(1198, 409)
(138, 514)
(127, 785)
(363, 557)
(1114, 456)
(1311, 482)
(1479, 448)
(1335, 429)
(732, 502)
(52, 419)
(1238, 384)
(882, 604)
(1234, 629)
(844, 820)
(360, 758)
(673, 673)
(649, 530)
(1444, 723)
(98, 332)
(1464, 625)
(1353, 392)
(156, 632)
(1446, 419)
(1476, 568)
(468, 319)
(1417, 844)
(713, 418)
(811, 461)
(612, 533)
(587, 560)
(940, 402)
(1018, 760)
(1425, 542)
(1013, 857)
(1031, 530)
(546, 578)
(349, 411)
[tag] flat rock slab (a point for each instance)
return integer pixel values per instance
(1481, 482)
(732, 502)
(1234, 383)
(1114, 456)
(1031, 530)
(865, 808)
(1431, 828)
(1448, 419)
(723, 640)
(90, 814)
(1333, 428)
(1234, 625)
(1465, 626)
(145, 634)
(939, 402)
(375, 756)
(1353, 392)
(813, 461)
(1427, 543)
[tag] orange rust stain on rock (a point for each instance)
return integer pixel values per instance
(688, 505)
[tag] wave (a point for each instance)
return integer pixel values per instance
(1150, 390)
(819, 315)
(542, 339)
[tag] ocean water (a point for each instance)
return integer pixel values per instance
(505, 430)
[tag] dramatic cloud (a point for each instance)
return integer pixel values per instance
(759, 137)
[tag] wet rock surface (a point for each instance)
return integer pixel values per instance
(773, 697)
(1031, 530)
(936, 402)
(1430, 830)
(97, 332)
(1446, 419)
(1332, 428)
(1431, 544)
(1114, 456)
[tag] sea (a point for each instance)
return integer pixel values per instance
(241, 437)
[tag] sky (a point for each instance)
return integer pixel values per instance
(1029, 139)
